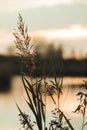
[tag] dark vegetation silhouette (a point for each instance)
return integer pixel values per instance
(38, 88)
(47, 58)
(52, 59)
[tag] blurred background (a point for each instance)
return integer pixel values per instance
(56, 27)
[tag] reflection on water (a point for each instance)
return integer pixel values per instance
(9, 119)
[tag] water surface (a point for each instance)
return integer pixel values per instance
(9, 119)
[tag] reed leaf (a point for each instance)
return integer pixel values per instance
(30, 87)
(25, 119)
(35, 101)
(39, 116)
(67, 120)
(31, 90)
(31, 107)
(25, 87)
(53, 99)
(60, 86)
(30, 103)
(84, 124)
(42, 108)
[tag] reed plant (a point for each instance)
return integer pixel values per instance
(82, 105)
(38, 88)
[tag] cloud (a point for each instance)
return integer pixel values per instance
(73, 32)
(12, 5)
(80, 1)
(17, 5)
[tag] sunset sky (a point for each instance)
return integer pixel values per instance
(64, 20)
(57, 21)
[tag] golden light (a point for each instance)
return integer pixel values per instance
(73, 32)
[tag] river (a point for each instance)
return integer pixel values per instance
(9, 119)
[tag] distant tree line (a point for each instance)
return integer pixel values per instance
(47, 61)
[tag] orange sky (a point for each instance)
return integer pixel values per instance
(72, 38)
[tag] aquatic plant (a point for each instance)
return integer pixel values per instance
(38, 88)
(82, 106)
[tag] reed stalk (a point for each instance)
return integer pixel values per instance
(33, 90)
